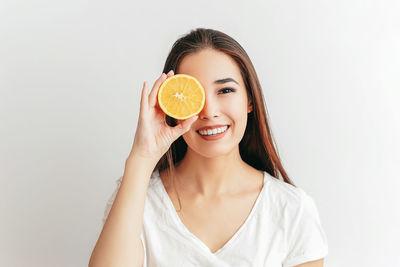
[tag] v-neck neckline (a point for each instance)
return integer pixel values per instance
(178, 221)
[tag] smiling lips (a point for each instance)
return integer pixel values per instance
(212, 127)
(213, 131)
(215, 134)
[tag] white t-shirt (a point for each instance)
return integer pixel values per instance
(282, 229)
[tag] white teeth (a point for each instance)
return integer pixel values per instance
(214, 131)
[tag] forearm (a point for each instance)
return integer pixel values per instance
(119, 241)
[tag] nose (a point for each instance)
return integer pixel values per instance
(210, 109)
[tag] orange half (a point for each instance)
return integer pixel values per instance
(181, 96)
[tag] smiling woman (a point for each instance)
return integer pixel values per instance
(209, 190)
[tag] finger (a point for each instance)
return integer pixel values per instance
(170, 73)
(154, 91)
(185, 125)
(144, 98)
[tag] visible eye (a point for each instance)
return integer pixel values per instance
(227, 90)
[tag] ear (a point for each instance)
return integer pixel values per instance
(250, 107)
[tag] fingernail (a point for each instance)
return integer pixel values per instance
(170, 72)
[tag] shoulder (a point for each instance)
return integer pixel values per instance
(296, 213)
(284, 191)
(288, 201)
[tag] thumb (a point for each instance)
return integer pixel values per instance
(185, 125)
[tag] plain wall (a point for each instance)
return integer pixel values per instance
(71, 74)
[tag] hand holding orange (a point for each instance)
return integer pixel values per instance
(181, 96)
(153, 135)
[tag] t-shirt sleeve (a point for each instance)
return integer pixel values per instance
(108, 209)
(307, 240)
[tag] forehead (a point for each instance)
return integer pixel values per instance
(209, 65)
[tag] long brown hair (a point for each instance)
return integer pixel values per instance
(256, 147)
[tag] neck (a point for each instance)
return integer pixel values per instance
(210, 177)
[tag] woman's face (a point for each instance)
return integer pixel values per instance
(226, 101)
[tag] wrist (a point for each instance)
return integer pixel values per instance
(147, 161)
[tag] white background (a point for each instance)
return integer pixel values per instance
(71, 73)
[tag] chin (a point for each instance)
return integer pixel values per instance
(211, 151)
(211, 155)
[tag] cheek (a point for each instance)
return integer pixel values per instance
(238, 110)
(192, 139)
(190, 135)
(239, 118)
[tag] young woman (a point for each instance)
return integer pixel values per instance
(186, 199)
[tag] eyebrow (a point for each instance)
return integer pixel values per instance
(226, 80)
